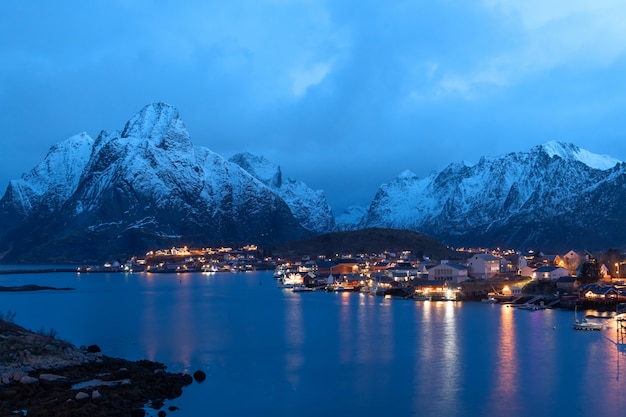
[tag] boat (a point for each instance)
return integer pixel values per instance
(489, 300)
(301, 288)
(422, 297)
(342, 287)
(280, 271)
(585, 324)
(209, 268)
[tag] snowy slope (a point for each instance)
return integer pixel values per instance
(350, 218)
(142, 187)
(570, 151)
(53, 180)
(308, 206)
(500, 200)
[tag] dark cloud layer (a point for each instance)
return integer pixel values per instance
(342, 95)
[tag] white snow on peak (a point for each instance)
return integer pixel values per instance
(260, 168)
(570, 151)
(55, 178)
(62, 167)
(308, 206)
(154, 121)
(350, 217)
(407, 174)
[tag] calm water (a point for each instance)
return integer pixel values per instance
(271, 352)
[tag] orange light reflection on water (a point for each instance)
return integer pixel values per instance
(367, 317)
(345, 328)
(439, 357)
(505, 386)
(149, 328)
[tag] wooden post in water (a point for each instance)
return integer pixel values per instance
(621, 333)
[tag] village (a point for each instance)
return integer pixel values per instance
(530, 280)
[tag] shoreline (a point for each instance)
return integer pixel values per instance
(41, 375)
(35, 271)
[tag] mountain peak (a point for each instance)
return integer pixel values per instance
(158, 121)
(308, 206)
(260, 168)
(569, 151)
(407, 175)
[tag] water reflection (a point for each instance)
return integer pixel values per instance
(437, 356)
(149, 328)
(503, 397)
(366, 318)
(182, 321)
(604, 373)
(539, 340)
(346, 329)
(294, 336)
(451, 366)
(385, 331)
(267, 350)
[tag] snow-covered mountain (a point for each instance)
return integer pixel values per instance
(350, 218)
(147, 186)
(53, 180)
(569, 151)
(308, 206)
(144, 187)
(554, 196)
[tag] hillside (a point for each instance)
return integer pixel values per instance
(372, 240)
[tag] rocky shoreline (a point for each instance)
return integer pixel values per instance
(41, 375)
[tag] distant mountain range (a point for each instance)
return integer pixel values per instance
(556, 196)
(147, 187)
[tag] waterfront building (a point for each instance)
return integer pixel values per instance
(483, 265)
(448, 272)
(550, 272)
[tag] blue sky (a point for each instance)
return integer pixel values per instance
(343, 95)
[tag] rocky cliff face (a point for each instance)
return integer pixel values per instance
(308, 206)
(554, 196)
(147, 186)
(144, 187)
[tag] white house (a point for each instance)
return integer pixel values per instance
(572, 259)
(527, 271)
(448, 271)
(483, 265)
(512, 263)
(551, 272)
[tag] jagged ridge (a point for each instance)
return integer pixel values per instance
(144, 187)
(554, 196)
(308, 206)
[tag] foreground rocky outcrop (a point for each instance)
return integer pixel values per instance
(41, 375)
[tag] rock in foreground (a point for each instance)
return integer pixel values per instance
(43, 376)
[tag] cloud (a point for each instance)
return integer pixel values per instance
(308, 77)
(369, 85)
(541, 37)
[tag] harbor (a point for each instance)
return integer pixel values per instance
(275, 347)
